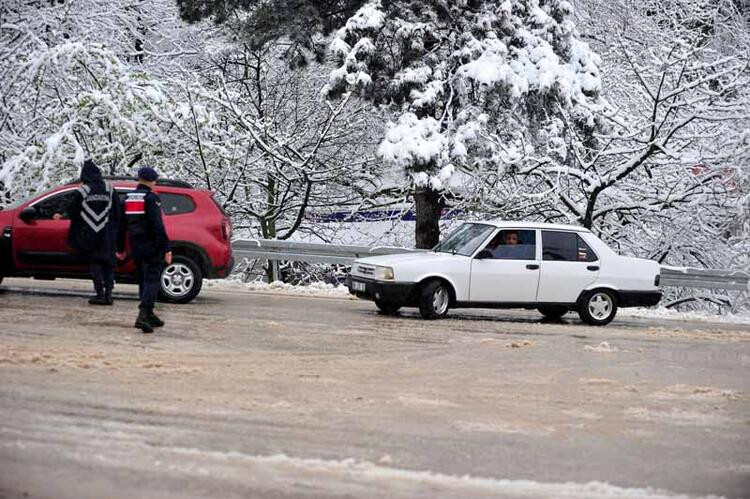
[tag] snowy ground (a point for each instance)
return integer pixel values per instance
(267, 393)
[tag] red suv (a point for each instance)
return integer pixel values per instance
(33, 244)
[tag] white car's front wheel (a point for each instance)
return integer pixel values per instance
(434, 300)
(598, 307)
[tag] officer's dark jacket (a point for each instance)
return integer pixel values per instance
(148, 238)
(95, 214)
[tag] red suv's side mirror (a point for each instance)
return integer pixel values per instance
(27, 214)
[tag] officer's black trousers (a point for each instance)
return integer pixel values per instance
(103, 275)
(149, 273)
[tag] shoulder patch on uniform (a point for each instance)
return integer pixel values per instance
(135, 203)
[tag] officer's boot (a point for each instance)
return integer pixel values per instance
(108, 296)
(154, 320)
(142, 322)
(99, 299)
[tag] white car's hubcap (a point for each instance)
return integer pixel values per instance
(177, 280)
(440, 300)
(600, 306)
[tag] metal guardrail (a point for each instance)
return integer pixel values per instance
(732, 280)
(271, 249)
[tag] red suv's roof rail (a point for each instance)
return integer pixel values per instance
(162, 181)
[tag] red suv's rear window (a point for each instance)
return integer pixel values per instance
(176, 204)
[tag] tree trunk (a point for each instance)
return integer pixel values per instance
(429, 204)
(268, 228)
(588, 218)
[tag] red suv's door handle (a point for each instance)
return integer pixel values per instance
(532, 266)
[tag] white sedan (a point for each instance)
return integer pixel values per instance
(553, 268)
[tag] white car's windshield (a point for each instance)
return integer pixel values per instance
(466, 239)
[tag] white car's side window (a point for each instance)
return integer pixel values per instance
(513, 244)
(566, 247)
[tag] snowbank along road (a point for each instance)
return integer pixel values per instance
(269, 395)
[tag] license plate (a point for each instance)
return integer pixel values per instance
(359, 286)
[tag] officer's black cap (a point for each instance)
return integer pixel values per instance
(147, 173)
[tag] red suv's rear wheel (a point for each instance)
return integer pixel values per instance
(181, 281)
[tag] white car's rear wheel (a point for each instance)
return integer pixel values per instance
(434, 300)
(598, 307)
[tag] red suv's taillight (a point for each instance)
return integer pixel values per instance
(226, 229)
(226, 223)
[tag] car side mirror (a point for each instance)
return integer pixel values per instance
(28, 213)
(484, 255)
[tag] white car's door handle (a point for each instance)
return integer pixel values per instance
(592, 268)
(532, 266)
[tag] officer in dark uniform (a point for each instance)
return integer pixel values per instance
(149, 244)
(95, 213)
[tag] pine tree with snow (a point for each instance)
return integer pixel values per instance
(479, 86)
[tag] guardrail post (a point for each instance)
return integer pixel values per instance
(741, 297)
(275, 273)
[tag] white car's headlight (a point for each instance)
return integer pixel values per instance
(378, 272)
(383, 273)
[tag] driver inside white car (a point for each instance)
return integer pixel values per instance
(507, 246)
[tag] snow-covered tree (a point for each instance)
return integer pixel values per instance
(84, 104)
(663, 180)
(450, 72)
(77, 80)
(478, 86)
(131, 84)
(258, 134)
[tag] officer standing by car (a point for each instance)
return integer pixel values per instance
(95, 213)
(149, 245)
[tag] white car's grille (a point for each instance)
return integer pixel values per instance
(364, 270)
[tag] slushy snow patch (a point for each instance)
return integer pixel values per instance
(314, 289)
(395, 480)
(676, 416)
(669, 314)
(602, 347)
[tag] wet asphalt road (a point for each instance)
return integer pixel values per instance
(268, 395)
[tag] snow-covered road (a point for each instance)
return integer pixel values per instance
(248, 394)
